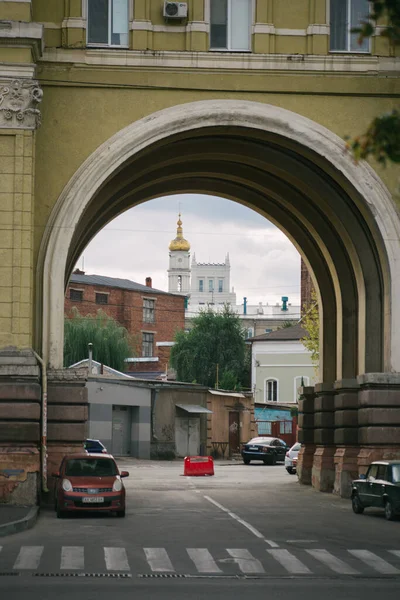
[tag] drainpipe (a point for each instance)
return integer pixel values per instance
(245, 305)
(43, 445)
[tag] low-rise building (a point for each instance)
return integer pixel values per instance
(280, 365)
(151, 316)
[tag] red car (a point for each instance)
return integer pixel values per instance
(89, 482)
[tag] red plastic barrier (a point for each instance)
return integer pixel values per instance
(198, 465)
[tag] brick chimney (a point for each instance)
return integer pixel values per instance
(149, 282)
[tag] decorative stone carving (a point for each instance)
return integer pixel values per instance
(18, 104)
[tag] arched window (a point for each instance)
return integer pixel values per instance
(300, 381)
(271, 390)
(179, 283)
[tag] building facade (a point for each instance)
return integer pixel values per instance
(107, 105)
(151, 316)
(281, 365)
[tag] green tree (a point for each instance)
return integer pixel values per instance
(310, 322)
(215, 344)
(111, 342)
(382, 138)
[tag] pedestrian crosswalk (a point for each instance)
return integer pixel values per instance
(226, 561)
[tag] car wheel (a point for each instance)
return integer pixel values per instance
(121, 514)
(246, 461)
(389, 512)
(290, 471)
(356, 504)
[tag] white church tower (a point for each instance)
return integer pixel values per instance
(179, 263)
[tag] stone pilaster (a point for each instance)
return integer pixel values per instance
(378, 418)
(346, 435)
(323, 470)
(306, 434)
(20, 408)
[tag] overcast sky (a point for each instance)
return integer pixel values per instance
(264, 264)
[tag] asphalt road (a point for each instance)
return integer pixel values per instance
(247, 530)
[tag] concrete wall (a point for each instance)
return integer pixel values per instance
(103, 395)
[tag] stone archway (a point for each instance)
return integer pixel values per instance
(295, 172)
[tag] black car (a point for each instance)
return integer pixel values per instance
(267, 449)
(379, 488)
(95, 446)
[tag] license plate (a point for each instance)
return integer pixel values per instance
(253, 448)
(93, 499)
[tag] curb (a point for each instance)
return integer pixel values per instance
(22, 524)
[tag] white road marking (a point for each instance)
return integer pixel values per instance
(72, 557)
(203, 560)
(289, 562)
(375, 562)
(395, 552)
(335, 564)
(28, 557)
(116, 559)
(158, 560)
(301, 541)
(246, 562)
(253, 530)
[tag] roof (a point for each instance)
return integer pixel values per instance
(295, 332)
(125, 284)
(193, 408)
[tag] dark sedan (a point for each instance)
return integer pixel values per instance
(267, 449)
(379, 488)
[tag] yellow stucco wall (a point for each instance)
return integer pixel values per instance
(86, 103)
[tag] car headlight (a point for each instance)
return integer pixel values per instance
(66, 485)
(117, 486)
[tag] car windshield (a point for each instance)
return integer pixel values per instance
(260, 440)
(396, 473)
(296, 447)
(92, 467)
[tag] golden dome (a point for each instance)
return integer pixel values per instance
(179, 243)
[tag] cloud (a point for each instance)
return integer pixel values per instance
(264, 263)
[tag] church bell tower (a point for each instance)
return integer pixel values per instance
(179, 263)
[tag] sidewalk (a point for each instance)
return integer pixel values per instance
(16, 518)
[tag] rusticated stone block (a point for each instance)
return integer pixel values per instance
(324, 419)
(379, 435)
(346, 418)
(346, 401)
(306, 421)
(367, 455)
(20, 391)
(306, 405)
(67, 394)
(323, 470)
(324, 437)
(19, 410)
(346, 435)
(306, 436)
(67, 413)
(19, 431)
(374, 397)
(379, 416)
(346, 470)
(324, 403)
(67, 432)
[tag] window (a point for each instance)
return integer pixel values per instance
(382, 473)
(396, 473)
(147, 344)
(220, 285)
(101, 298)
(179, 283)
(249, 333)
(230, 24)
(372, 473)
(148, 310)
(210, 285)
(268, 330)
(76, 295)
(107, 22)
(345, 16)
(271, 390)
(201, 285)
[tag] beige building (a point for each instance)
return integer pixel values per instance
(104, 105)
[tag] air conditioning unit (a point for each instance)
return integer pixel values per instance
(175, 10)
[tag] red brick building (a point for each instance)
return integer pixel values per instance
(307, 286)
(151, 316)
